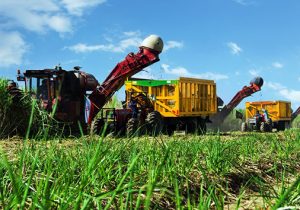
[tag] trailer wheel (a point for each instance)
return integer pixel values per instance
(154, 123)
(191, 126)
(282, 125)
(132, 127)
(97, 127)
(269, 124)
(244, 127)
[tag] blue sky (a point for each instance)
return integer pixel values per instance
(229, 41)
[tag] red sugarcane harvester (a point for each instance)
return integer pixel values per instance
(66, 93)
(255, 86)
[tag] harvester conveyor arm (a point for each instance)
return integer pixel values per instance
(255, 86)
(132, 64)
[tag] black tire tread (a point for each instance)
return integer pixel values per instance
(154, 123)
(244, 127)
(132, 127)
(97, 127)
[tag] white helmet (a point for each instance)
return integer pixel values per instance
(153, 42)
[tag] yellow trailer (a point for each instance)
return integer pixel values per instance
(275, 114)
(183, 103)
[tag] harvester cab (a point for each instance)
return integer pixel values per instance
(60, 89)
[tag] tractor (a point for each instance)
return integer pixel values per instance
(259, 122)
(266, 115)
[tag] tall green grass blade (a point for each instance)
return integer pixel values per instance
(152, 184)
(28, 184)
(15, 180)
(30, 118)
(284, 197)
(132, 164)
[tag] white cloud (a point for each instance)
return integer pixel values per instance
(60, 23)
(275, 85)
(277, 65)
(234, 48)
(177, 71)
(83, 48)
(122, 46)
(254, 72)
(183, 72)
(172, 44)
(76, 7)
(290, 94)
(128, 40)
(147, 73)
(127, 43)
(13, 48)
(35, 15)
(41, 15)
(132, 33)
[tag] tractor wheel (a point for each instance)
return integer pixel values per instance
(191, 126)
(269, 124)
(97, 127)
(132, 127)
(244, 127)
(263, 127)
(154, 123)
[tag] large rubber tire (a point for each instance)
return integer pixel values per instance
(244, 127)
(191, 126)
(132, 127)
(154, 123)
(269, 124)
(97, 127)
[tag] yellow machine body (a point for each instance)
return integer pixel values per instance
(184, 97)
(277, 110)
